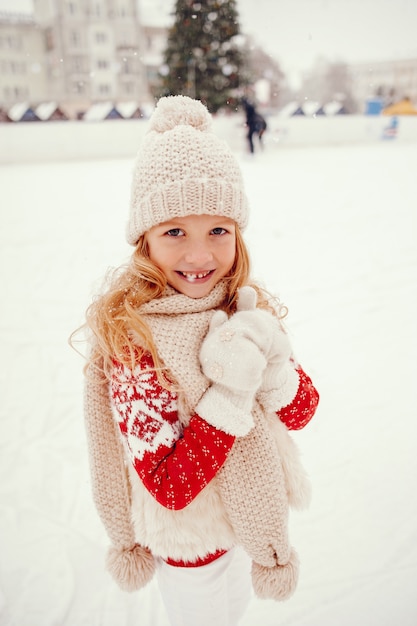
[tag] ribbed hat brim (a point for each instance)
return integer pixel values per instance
(201, 196)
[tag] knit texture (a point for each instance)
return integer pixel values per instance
(247, 502)
(252, 483)
(131, 565)
(149, 423)
(183, 169)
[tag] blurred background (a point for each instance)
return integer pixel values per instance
(325, 93)
(59, 58)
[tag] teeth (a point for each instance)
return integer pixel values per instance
(190, 276)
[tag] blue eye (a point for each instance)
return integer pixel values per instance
(219, 231)
(174, 232)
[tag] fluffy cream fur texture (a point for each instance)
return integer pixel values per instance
(276, 583)
(132, 568)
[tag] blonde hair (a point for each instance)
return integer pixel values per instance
(113, 320)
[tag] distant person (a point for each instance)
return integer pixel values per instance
(391, 131)
(255, 123)
(191, 388)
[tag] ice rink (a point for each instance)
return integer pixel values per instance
(333, 233)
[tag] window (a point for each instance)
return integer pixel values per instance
(101, 37)
(79, 87)
(21, 93)
(11, 42)
(74, 37)
(126, 66)
(49, 38)
(77, 64)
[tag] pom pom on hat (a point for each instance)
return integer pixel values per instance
(179, 111)
(183, 169)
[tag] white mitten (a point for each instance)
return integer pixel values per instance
(234, 363)
(279, 380)
(263, 328)
(279, 386)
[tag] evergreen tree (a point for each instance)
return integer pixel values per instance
(202, 58)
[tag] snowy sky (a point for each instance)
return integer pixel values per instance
(298, 32)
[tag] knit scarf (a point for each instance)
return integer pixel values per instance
(252, 483)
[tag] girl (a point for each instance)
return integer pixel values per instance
(191, 389)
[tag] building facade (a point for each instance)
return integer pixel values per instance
(75, 52)
(155, 39)
(22, 69)
(390, 80)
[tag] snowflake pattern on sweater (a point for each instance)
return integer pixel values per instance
(175, 463)
(146, 412)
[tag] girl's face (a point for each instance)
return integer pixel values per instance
(193, 252)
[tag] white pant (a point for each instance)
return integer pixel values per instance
(216, 594)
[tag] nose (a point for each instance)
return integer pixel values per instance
(198, 254)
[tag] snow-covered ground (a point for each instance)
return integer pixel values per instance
(333, 232)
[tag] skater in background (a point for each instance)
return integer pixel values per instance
(255, 122)
(191, 388)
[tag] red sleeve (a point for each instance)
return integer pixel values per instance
(174, 463)
(301, 409)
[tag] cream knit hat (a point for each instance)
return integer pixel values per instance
(183, 169)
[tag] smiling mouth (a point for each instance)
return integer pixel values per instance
(194, 276)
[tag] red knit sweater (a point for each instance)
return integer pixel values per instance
(174, 462)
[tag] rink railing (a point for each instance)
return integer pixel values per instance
(51, 141)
